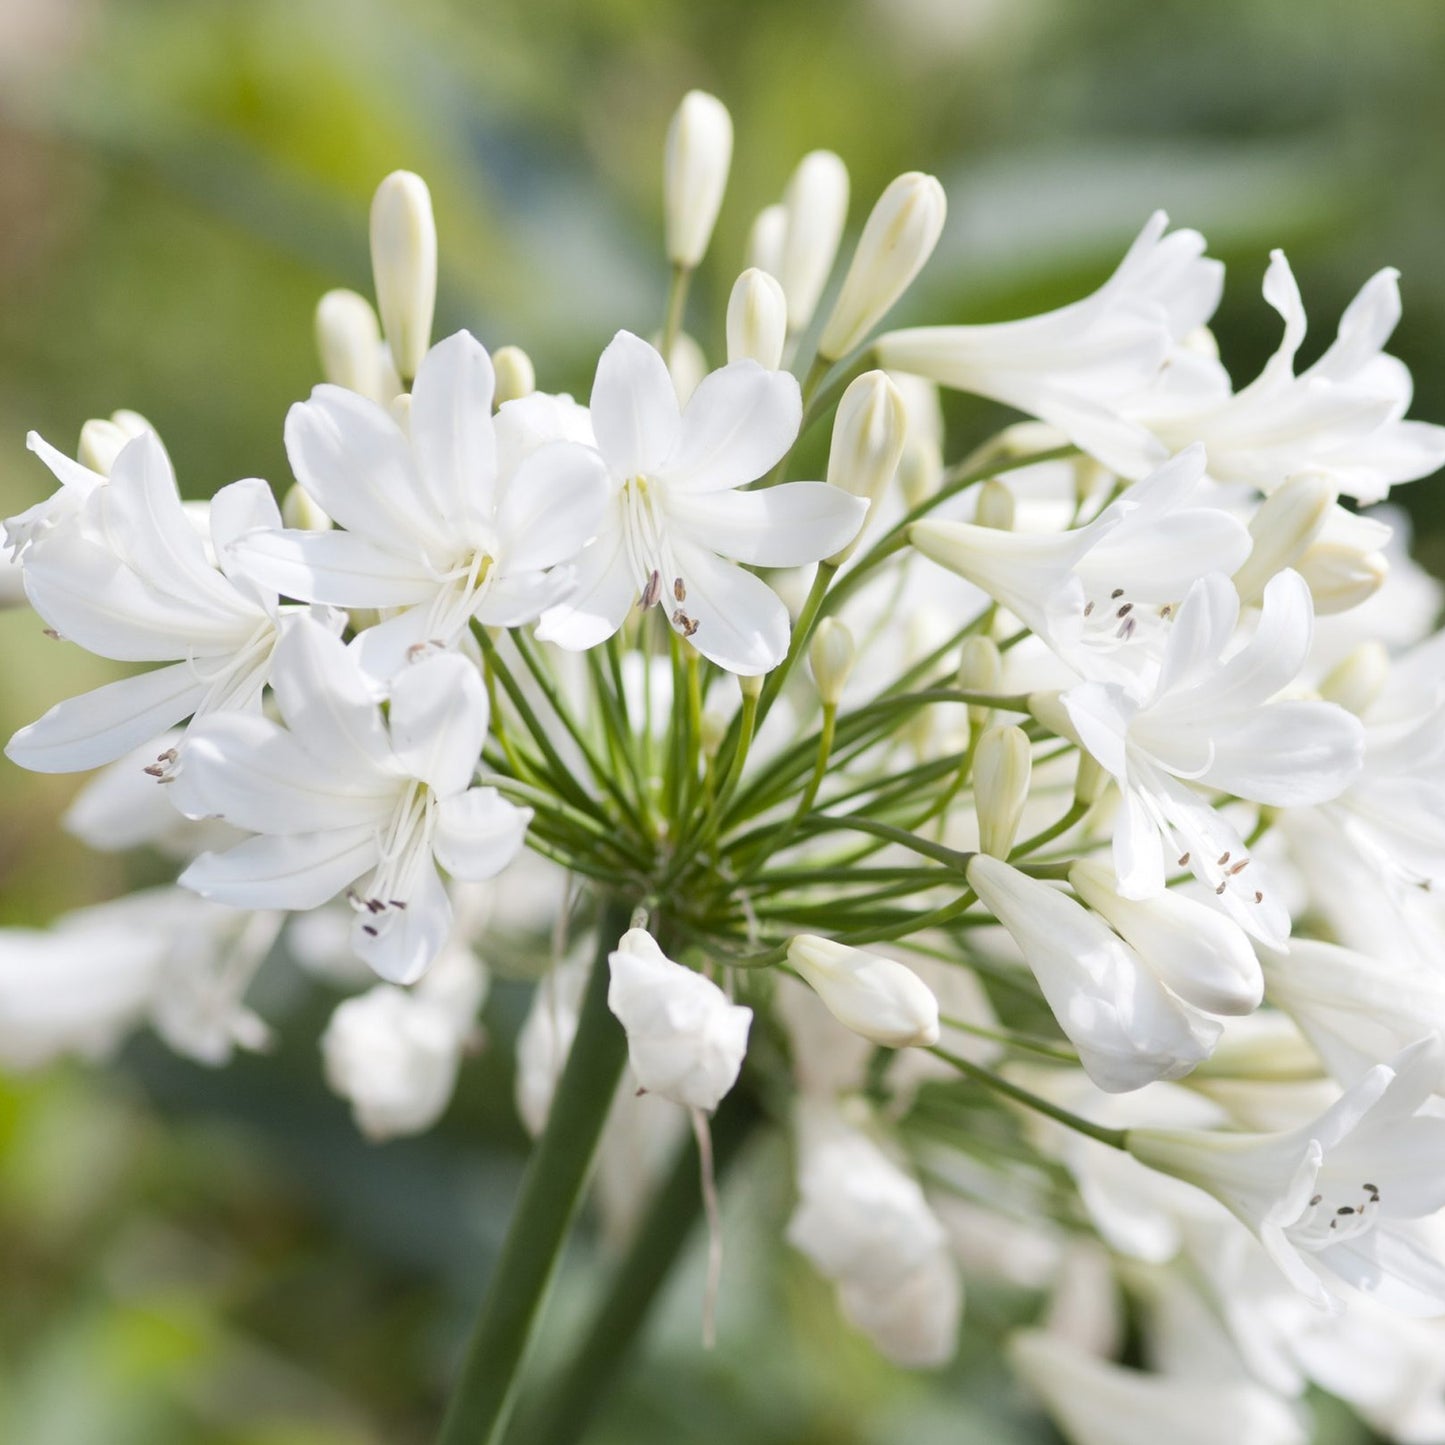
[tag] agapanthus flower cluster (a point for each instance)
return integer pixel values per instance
(1094, 780)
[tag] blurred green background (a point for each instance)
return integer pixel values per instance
(198, 1257)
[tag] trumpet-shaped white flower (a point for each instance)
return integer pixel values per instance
(864, 1223)
(1130, 1030)
(1101, 595)
(676, 515)
(1334, 1199)
(1077, 367)
(685, 1038)
(435, 523)
(127, 576)
(1214, 718)
(1343, 416)
(338, 793)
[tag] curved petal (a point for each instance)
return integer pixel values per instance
(293, 870)
(740, 421)
(402, 945)
(733, 618)
(1393, 1268)
(452, 434)
(552, 507)
(604, 590)
(241, 507)
(438, 721)
(354, 460)
(634, 407)
(343, 569)
(522, 597)
(100, 726)
(784, 526)
(1290, 754)
(478, 833)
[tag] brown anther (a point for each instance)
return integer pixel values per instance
(367, 929)
(1218, 892)
(1166, 611)
(1116, 594)
(1184, 860)
(652, 591)
(678, 590)
(1238, 867)
(1223, 858)
(1125, 610)
(52, 634)
(1259, 897)
(397, 903)
(1345, 1209)
(1315, 1199)
(1088, 608)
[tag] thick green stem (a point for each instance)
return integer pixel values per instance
(548, 1200)
(568, 1404)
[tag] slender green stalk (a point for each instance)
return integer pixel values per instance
(1114, 1138)
(568, 1404)
(676, 307)
(546, 1204)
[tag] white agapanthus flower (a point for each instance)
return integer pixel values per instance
(1215, 718)
(685, 1038)
(1334, 1201)
(127, 576)
(677, 524)
(431, 521)
(340, 794)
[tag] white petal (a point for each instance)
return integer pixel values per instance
(405, 945)
(66, 470)
(478, 833)
(355, 462)
(742, 624)
(245, 769)
(603, 591)
(241, 507)
(1289, 754)
(739, 422)
(438, 721)
(784, 526)
(552, 507)
(634, 407)
(452, 432)
(293, 870)
(1390, 1266)
(522, 597)
(343, 569)
(99, 726)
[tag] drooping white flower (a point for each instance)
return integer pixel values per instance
(1101, 595)
(339, 794)
(864, 1223)
(1077, 367)
(127, 576)
(1130, 1030)
(436, 521)
(685, 1038)
(395, 1053)
(1334, 1200)
(1342, 417)
(877, 997)
(1215, 718)
(677, 524)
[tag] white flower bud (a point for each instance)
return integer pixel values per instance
(765, 239)
(1192, 948)
(816, 203)
(348, 341)
(1341, 577)
(515, 375)
(1359, 679)
(868, 433)
(404, 264)
(102, 438)
(832, 653)
(874, 996)
(995, 506)
(757, 319)
(1287, 521)
(920, 469)
(300, 511)
(686, 364)
(1001, 770)
(695, 174)
(980, 669)
(1090, 780)
(685, 1039)
(898, 238)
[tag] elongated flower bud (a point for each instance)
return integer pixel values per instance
(1192, 948)
(868, 434)
(695, 174)
(980, 669)
(685, 1039)
(300, 511)
(1359, 679)
(872, 995)
(816, 202)
(1001, 770)
(348, 341)
(898, 238)
(515, 375)
(404, 264)
(765, 239)
(102, 438)
(831, 653)
(1287, 521)
(920, 468)
(1341, 577)
(1090, 780)
(995, 506)
(757, 319)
